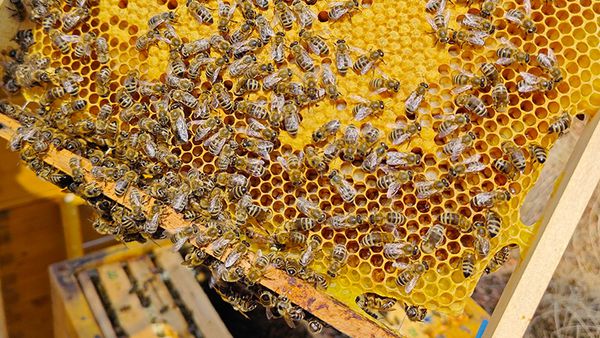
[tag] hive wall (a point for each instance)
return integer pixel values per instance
(570, 28)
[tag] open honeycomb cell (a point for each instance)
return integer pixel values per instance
(569, 28)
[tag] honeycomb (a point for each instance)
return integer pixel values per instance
(400, 29)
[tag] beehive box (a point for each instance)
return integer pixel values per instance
(141, 291)
(400, 29)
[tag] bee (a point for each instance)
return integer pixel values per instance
(374, 158)
(200, 12)
(549, 64)
(433, 238)
(194, 47)
(328, 129)
(146, 142)
(537, 152)
(343, 61)
(315, 43)
(90, 190)
(144, 41)
(242, 33)
(522, 19)
(390, 217)
(252, 166)
(51, 19)
(365, 108)
(415, 313)
(509, 53)
(474, 38)
(71, 19)
(488, 7)
(246, 46)
(489, 71)
(77, 173)
(506, 168)
(84, 45)
(253, 109)
(315, 326)
(339, 9)
(403, 133)
(262, 4)
(384, 84)
(455, 220)
(478, 23)
(62, 41)
(332, 150)
(468, 263)
(490, 199)
(239, 67)
(516, 155)
(52, 94)
(343, 187)
(223, 97)
(403, 159)
(215, 143)
(376, 239)
(433, 6)
(493, 222)
(284, 15)
(292, 238)
(426, 189)
(314, 160)
(365, 62)
(213, 70)
(465, 80)
(413, 102)
(499, 258)
(409, 277)
(265, 31)
(458, 145)
(560, 125)
(197, 64)
(301, 57)
(178, 125)
(231, 180)
(258, 130)
(271, 80)
(123, 184)
(482, 241)
(469, 165)
(339, 256)
(300, 224)
(451, 123)
(102, 50)
(162, 18)
(310, 209)
(291, 119)
(258, 267)
(500, 96)
(439, 23)
(131, 81)
(185, 98)
(308, 255)
(124, 99)
(260, 147)
(278, 48)
(293, 165)
(393, 251)
(339, 222)
(226, 157)
(176, 65)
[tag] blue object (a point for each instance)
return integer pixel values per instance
(482, 328)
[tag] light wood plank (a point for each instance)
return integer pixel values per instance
(193, 296)
(561, 216)
(159, 295)
(91, 295)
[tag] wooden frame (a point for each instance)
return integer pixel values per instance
(520, 297)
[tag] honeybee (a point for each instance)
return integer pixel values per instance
(176, 65)
(433, 238)
(200, 12)
(415, 313)
(62, 41)
(226, 157)
(262, 4)
(90, 190)
(314, 160)
(254, 109)
(478, 23)
(147, 39)
(469, 165)
(451, 123)
(403, 159)
(278, 48)
(490, 199)
(339, 9)
(482, 241)
(291, 119)
(560, 125)
(327, 129)
(258, 130)
(260, 147)
(516, 155)
(71, 19)
(499, 258)
(252, 166)
(374, 158)
(300, 224)
(265, 31)
(365, 108)
(455, 220)
(426, 189)
(458, 145)
(197, 64)
(77, 173)
(332, 150)
(308, 255)
(468, 263)
(315, 43)
(472, 103)
(293, 165)
(434, 6)
(231, 180)
(310, 209)
(403, 133)
(194, 47)
(178, 125)
(339, 256)
(102, 50)
(343, 187)
(257, 270)
(493, 222)
(162, 18)
(343, 61)
(223, 97)
(500, 96)
(340, 222)
(393, 251)
(243, 32)
(214, 69)
(365, 62)
(374, 304)
(409, 277)
(390, 217)
(550, 65)
(301, 57)
(465, 80)
(123, 184)
(284, 15)
(384, 84)
(537, 152)
(215, 143)
(439, 23)
(305, 16)
(240, 49)
(474, 38)
(414, 100)
(509, 53)
(84, 45)
(488, 7)
(271, 80)
(522, 19)
(376, 238)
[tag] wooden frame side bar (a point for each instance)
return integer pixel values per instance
(529, 281)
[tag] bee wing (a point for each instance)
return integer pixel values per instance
(431, 22)
(327, 74)
(277, 102)
(527, 6)
(461, 89)
(411, 284)
(181, 128)
(472, 20)
(351, 134)
(504, 61)
(367, 67)
(524, 87)
(220, 142)
(70, 38)
(483, 245)
(333, 126)
(232, 258)
(396, 158)
(400, 265)
(283, 162)
(507, 42)
(447, 131)
(551, 56)
(393, 189)
(413, 101)
(179, 244)
(362, 112)
(477, 38)
(512, 18)
(529, 78)
(446, 16)
(370, 161)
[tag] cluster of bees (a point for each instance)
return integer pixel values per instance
(211, 78)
